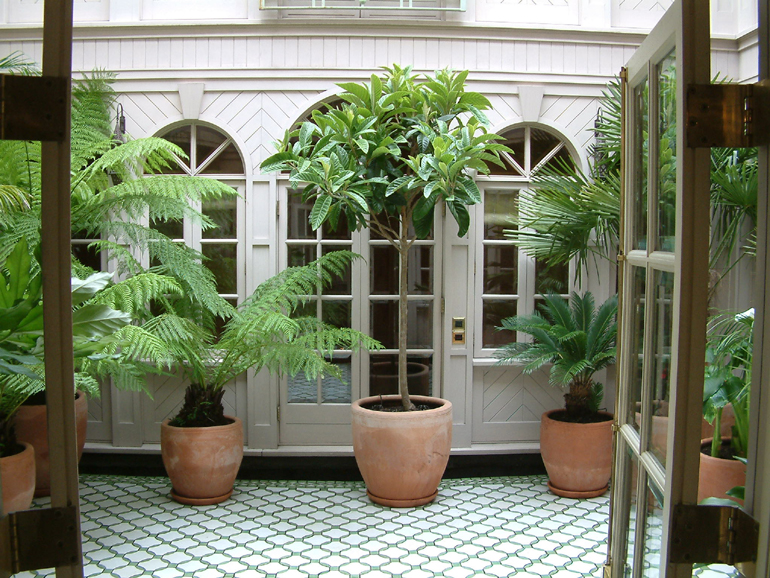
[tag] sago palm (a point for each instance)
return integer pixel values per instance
(576, 339)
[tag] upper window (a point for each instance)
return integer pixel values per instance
(511, 283)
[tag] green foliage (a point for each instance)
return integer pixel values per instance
(728, 376)
(262, 334)
(575, 338)
(398, 146)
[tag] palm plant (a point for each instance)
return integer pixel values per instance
(576, 339)
(263, 333)
(396, 148)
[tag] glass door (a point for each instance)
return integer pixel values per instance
(664, 286)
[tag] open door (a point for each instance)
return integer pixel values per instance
(664, 285)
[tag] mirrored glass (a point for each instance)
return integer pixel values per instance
(384, 323)
(492, 316)
(227, 162)
(298, 218)
(181, 137)
(341, 284)
(301, 254)
(499, 211)
(661, 349)
(337, 313)
(224, 214)
(551, 278)
(636, 359)
(542, 143)
(501, 264)
(666, 154)
(222, 261)
(207, 140)
(641, 151)
(384, 268)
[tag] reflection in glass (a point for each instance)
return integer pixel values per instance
(181, 137)
(336, 313)
(341, 232)
(207, 140)
(551, 278)
(500, 269)
(384, 276)
(297, 221)
(653, 531)
(383, 374)
(667, 153)
(88, 256)
(223, 212)
(334, 389)
(514, 161)
(340, 284)
(301, 255)
(302, 390)
(384, 323)
(493, 314)
(227, 162)
(173, 228)
(641, 146)
(542, 144)
(499, 210)
(661, 347)
(221, 260)
(632, 471)
(638, 302)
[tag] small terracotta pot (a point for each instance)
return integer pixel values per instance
(18, 473)
(402, 455)
(32, 427)
(202, 462)
(577, 456)
(717, 475)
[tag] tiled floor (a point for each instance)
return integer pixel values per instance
(483, 527)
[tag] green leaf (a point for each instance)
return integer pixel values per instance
(461, 215)
(98, 321)
(319, 211)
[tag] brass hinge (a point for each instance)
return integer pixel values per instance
(728, 115)
(278, 413)
(277, 209)
(443, 305)
(33, 107)
(40, 539)
(713, 535)
(615, 427)
(608, 568)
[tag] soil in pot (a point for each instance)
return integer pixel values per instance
(577, 456)
(18, 474)
(402, 455)
(718, 475)
(31, 422)
(202, 462)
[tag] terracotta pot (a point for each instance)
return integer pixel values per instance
(402, 455)
(717, 475)
(32, 427)
(384, 378)
(18, 473)
(202, 462)
(577, 456)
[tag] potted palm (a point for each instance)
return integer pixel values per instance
(397, 146)
(578, 340)
(727, 383)
(202, 448)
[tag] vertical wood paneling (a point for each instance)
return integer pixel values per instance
(546, 61)
(496, 56)
(215, 52)
(164, 53)
(252, 52)
(316, 54)
(239, 53)
(126, 55)
(330, 53)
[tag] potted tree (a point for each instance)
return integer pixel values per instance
(577, 340)
(202, 448)
(727, 383)
(397, 146)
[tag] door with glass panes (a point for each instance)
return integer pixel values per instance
(317, 412)
(664, 284)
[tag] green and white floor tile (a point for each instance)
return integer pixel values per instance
(483, 527)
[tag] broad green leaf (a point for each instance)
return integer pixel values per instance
(319, 211)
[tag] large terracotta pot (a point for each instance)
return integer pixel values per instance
(402, 455)
(577, 456)
(202, 462)
(18, 473)
(32, 427)
(384, 378)
(717, 475)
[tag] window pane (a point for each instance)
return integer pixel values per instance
(632, 477)
(227, 162)
(641, 136)
(384, 267)
(173, 228)
(542, 143)
(551, 279)
(302, 390)
(224, 213)
(501, 269)
(341, 284)
(206, 142)
(298, 224)
(561, 158)
(383, 374)
(87, 256)
(336, 313)
(341, 232)
(514, 161)
(653, 532)
(181, 137)
(390, 221)
(661, 348)
(499, 210)
(638, 304)
(493, 315)
(667, 154)
(384, 324)
(301, 255)
(222, 260)
(333, 389)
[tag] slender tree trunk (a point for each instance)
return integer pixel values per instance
(403, 311)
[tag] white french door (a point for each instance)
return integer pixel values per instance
(664, 283)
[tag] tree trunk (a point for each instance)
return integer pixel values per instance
(403, 311)
(578, 401)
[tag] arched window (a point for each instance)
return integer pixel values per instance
(211, 153)
(512, 283)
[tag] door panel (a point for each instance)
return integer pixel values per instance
(664, 283)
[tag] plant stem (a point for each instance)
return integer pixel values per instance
(716, 441)
(403, 311)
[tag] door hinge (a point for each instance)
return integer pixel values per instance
(33, 107)
(443, 305)
(278, 413)
(728, 115)
(35, 539)
(615, 427)
(608, 568)
(713, 535)
(277, 209)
